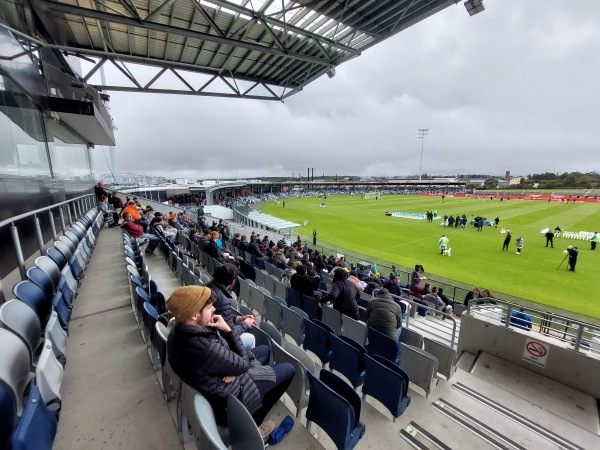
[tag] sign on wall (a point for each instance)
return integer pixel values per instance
(536, 353)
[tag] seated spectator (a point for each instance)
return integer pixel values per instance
(194, 236)
(104, 206)
(439, 305)
(135, 215)
(292, 254)
(520, 319)
(223, 280)
(473, 293)
(416, 292)
(445, 299)
(280, 257)
(353, 278)
(392, 285)
(149, 213)
(204, 240)
(303, 283)
(136, 231)
(269, 253)
(286, 279)
(243, 245)
(253, 248)
(426, 289)
(343, 295)
(236, 239)
(207, 354)
(385, 315)
(212, 249)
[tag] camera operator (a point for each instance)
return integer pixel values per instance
(573, 253)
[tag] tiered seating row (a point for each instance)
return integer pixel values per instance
(34, 336)
(296, 316)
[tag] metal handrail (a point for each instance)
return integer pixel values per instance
(78, 205)
(434, 311)
(574, 332)
(37, 211)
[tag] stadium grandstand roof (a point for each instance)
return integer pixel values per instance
(265, 49)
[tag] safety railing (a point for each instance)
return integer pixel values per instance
(73, 208)
(445, 331)
(579, 335)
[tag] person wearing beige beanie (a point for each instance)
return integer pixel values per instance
(208, 355)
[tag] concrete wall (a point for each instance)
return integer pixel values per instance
(220, 212)
(567, 366)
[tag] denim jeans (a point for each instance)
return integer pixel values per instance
(272, 392)
(152, 242)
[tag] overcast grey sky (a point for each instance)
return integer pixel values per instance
(516, 88)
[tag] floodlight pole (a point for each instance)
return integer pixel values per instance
(422, 135)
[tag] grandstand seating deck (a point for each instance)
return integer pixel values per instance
(112, 396)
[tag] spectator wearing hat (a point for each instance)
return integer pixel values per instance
(208, 355)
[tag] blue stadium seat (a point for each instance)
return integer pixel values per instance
(317, 339)
(7, 415)
(34, 297)
(37, 428)
(62, 310)
(388, 383)
(335, 407)
(348, 358)
(42, 280)
(294, 298)
(382, 345)
(311, 307)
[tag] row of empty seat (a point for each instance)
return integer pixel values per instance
(34, 336)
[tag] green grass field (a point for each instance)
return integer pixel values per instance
(361, 226)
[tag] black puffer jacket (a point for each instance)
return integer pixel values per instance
(201, 357)
(343, 295)
(385, 315)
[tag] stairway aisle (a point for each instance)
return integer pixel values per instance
(110, 394)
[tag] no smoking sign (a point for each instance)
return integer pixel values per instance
(535, 353)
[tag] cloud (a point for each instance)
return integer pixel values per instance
(513, 88)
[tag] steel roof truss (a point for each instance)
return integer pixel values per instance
(158, 11)
(108, 17)
(233, 87)
(94, 69)
(155, 78)
(131, 9)
(208, 18)
(280, 44)
(182, 79)
(275, 22)
(126, 72)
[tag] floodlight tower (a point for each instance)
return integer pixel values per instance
(422, 135)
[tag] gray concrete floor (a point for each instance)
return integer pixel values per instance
(111, 397)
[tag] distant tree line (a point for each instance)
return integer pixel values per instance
(588, 180)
